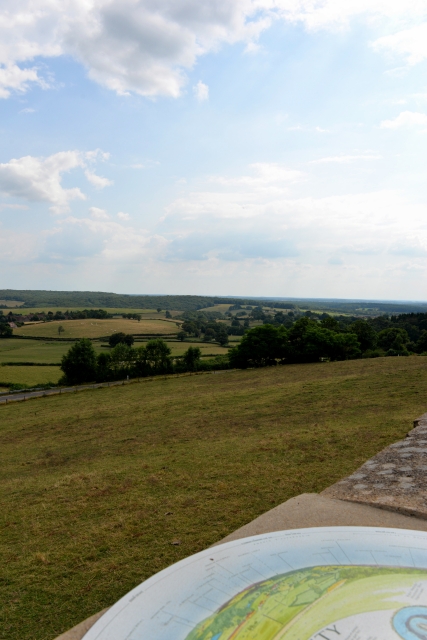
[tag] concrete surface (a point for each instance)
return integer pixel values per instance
(77, 632)
(314, 510)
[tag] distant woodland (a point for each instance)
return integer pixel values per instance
(98, 299)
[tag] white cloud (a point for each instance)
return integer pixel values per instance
(411, 43)
(346, 159)
(265, 175)
(38, 179)
(13, 78)
(123, 216)
(330, 14)
(98, 181)
(405, 119)
(201, 91)
(27, 110)
(146, 47)
(99, 214)
(76, 238)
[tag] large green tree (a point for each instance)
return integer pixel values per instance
(157, 356)
(260, 347)
(393, 338)
(191, 358)
(365, 333)
(79, 363)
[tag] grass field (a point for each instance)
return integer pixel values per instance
(178, 348)
(12, 350)
(96, 486)
(222, 308)
(33, 350)
(91, 328)
(30, 376)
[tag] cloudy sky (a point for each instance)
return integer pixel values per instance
(233, 147)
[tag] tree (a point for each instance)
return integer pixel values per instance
(159, 310)
(79, 363)
(168, 314)
(191, 358)
(5, 330)
(328, 322)
(122, 358)
(260, 347)
(120, 337)
(157, 356)
(221, 336)
(421, 344)
(181, 335)
(209, 334)
(103, 370)
(393, 338)
(365, 333)
(309, 342)
(60, 329)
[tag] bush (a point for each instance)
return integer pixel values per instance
(373, 353)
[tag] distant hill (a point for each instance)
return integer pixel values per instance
(99, 299)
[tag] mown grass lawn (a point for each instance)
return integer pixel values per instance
(97, 485)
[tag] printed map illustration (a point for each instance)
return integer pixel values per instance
(339, 583)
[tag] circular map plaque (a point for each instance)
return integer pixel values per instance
(338, 583)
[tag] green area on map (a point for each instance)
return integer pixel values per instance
(296, 605)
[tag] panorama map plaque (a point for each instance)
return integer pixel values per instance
(337, 583)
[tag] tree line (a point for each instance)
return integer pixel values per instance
(81, 363)
(310, 340)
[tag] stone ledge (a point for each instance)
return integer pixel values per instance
(394, 479)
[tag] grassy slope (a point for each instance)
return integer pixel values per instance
(91, 328)
(97, 485)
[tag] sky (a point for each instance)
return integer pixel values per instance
(221, 147)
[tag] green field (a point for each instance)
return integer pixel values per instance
(97, 485)
(30, 376)
(37, 351)
(207, 348)
(91, 328)
(12, 350)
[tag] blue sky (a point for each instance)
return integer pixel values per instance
(233, 147)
